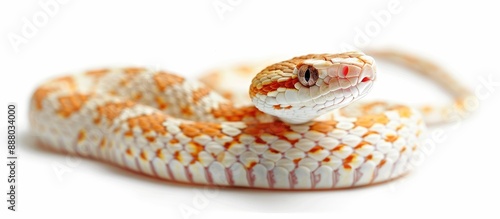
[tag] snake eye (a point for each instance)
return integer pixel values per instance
(308, 75)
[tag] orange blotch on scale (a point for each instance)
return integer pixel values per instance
(460, 104)
(404, 112)
(290, 83)
(40, 94)
(194, 148)
(189, 130)
(212, 132)
(129, 133)
(296, 161)
(368, 121)
(402, 150)
(210, 129)
(369, 133)
(194, 159)
(147, 123)
(361, 145)
(137, 96)
(259, 140)
(340, 147)
(273, 151)
(129, 74)
(292, 141)
(186, 110)
(71, 104)
(150, 139)
(324, 127)
(159, 154)
(97, 73)
(400, 127)
(382, 162)
(200, 93)
(129, 152)
(69, 80)
(228, 145)
(253, 130)
(143, 155)
(231, 113)
(112, 110)
(113, 92)
(102, 143)
(279, 107)
(162, 104)
(315, 149)
(427, 109)
(251, 165)
(82, 134)
(391, 138)
(124, 82)
(174, 141)
(228, 95)
(133, 70)
(177, 156)
(164, 80)
(350, 158)
(277, 128)
(245, 70)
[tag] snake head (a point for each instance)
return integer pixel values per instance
(303, 88)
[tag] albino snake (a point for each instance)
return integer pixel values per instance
(165, 126)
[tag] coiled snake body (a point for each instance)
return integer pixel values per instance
(168, 127)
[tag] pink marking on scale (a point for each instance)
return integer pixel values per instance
(209, 176)
(345, 71)
(250, 178)
(188, 174)
(136, 161)
(315, 178)
(375, 174)
(170, 173)
(229, 177)
(153, 168)
(292, 178)
(270, 179)
(357, 176)
(335, 178)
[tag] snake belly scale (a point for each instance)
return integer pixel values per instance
(168, 127)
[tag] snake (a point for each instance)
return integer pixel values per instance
(305, 130)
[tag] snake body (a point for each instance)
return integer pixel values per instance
(168, 127)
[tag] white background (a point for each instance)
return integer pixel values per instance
(459, 177)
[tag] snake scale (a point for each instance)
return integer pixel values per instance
(168, 127)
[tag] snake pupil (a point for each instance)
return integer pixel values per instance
(307, 75)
